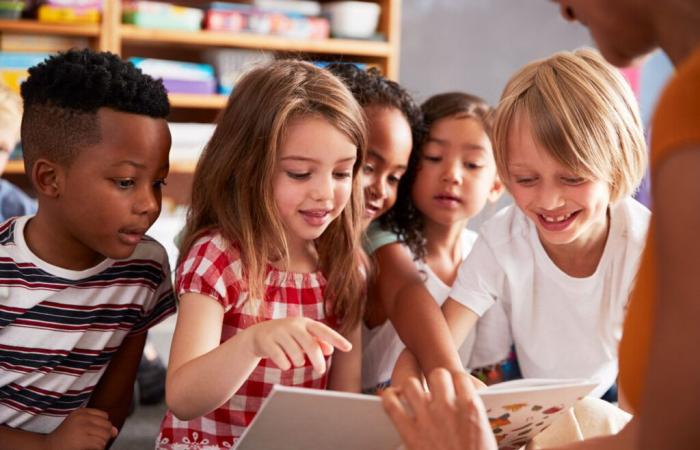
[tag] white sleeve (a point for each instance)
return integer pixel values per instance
(479, 280)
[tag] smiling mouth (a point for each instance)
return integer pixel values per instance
(557, 222)
(557, 219)
(315, 216)
(371, 210)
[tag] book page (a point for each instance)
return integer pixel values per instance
(518, 410)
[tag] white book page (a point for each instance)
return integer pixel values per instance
(311, 419)
(294, 418)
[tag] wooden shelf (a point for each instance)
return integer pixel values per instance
(35, 27)
(196, 101)
(132, 34)
(17, 167)
(113, 36)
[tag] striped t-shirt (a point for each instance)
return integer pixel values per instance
(60, 328)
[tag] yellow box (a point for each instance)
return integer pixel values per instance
(54, 14)
(12, 78)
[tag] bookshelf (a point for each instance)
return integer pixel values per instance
(128, 40)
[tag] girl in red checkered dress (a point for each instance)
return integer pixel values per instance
(269, 278)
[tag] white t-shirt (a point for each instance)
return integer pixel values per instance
(562, 327)
(381, 345)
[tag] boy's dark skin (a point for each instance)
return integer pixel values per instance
(98, 206)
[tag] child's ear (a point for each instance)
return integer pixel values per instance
(496, 190)
(47, 178)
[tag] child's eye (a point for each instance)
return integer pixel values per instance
(298, 175)
(393, 179)
(472, 166)
(160, 183)
(367, 169)
(124, 183)
(526, 181)
(573, 181)
(342, 175)
(432, 158)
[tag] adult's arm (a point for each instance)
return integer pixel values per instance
(667, 417)
(672, 388)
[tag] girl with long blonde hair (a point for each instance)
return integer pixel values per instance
(268, 279)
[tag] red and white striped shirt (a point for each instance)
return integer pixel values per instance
(214, 268)
(60, 328)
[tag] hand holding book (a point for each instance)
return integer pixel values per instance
(449, 417)
(452, 416)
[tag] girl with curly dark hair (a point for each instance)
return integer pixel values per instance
(394, 130)
(423, 239)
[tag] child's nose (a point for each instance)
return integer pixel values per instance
(378, 188)
(147, 202)
(323, 189)
(452, 172)
(550, 198)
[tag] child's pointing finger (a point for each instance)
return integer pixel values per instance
(328, 336)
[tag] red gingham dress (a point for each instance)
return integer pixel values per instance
(213, 268)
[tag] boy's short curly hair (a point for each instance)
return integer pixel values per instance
(63, 94)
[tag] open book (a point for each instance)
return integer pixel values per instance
(309, 419)
(293, 418)
(520, 409)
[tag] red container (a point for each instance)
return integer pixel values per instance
(220, 20)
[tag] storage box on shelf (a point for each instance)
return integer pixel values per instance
(129, 40)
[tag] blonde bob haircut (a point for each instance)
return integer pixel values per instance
(232, 187)
(582, 112)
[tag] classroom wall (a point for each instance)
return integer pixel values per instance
(475, 45)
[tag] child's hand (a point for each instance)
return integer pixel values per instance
(290, 339)
(83, 429)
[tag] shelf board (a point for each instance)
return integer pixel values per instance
(197, 101)
(35, 27)
(204, 38)
(17, 167)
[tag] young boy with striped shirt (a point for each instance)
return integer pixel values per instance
(80, 283)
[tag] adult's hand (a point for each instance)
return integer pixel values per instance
(449, 417)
